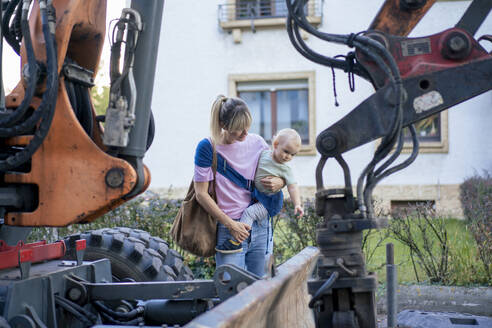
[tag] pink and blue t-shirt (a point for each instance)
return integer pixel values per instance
(243, 157)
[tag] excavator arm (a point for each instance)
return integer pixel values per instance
(414, 78)
(59, 166)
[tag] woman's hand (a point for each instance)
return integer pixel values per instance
(273, 184)
(239, 230)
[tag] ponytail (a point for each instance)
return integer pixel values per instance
(215, 127)
(231, 114)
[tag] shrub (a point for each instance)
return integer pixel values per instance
(293, 234)
(148, 212)
(373, 239)
(424, 233)
(476, 200)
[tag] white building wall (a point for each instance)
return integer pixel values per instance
(196, 56)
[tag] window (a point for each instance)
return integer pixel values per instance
(279, 101)
(399, 207)
(428, 129)
(432, 133)
(408, 204)
(252, 14)
(247, 9)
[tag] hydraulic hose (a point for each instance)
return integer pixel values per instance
(326, 286)
(121, 315)
(15, 116)
(384, 60)
(90, 316)
(112, 320)
(11, 40)
(70, 309)
(46, 110)
(401, 166)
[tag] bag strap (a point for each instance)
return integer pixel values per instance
(214, 168)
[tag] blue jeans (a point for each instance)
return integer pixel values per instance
(252, 258)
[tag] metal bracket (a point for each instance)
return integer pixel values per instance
(29, 320)
(78, 74)
(356, 224)
(230, 280)
(345, 319)
(120, 114)
(25, 259)
(76, 290)
(80, 246)
(34, 315)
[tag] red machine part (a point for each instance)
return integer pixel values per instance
(423, 55)
(12, 256)
(80, 244)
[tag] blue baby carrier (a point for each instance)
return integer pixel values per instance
(273, 203)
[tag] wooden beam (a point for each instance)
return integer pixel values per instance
(281, 301)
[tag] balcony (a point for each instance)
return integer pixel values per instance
(250, 14)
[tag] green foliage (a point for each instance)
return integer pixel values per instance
(372, 242)
(476, 200)
(426, 236)
(446, 245)
(293, 234)
(464, 267)
(100, 99)
(148, 212)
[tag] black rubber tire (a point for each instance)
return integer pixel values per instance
(133, 254)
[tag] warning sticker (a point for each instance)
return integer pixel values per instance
(427, 101)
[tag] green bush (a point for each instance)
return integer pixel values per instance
(476, 200)
(429, 248)
(443, 249)
(293, 234)
(426, 236)
(148, 212)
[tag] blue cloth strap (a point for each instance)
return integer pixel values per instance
(273, 203)
(230, 173)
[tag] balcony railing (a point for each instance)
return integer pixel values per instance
(237, 10)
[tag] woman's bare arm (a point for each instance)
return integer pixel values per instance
(272, 183)
(238, 230)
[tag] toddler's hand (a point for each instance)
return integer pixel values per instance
(299, 211)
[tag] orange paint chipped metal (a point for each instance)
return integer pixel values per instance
(69, 168)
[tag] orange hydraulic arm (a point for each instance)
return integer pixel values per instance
(73, 178)
(399, 17)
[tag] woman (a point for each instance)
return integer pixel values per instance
(229, 124)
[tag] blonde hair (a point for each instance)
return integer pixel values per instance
(287, 135)
(231, 114)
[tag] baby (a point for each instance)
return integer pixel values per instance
(286, 144)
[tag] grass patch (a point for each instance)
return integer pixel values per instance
(463, 261)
